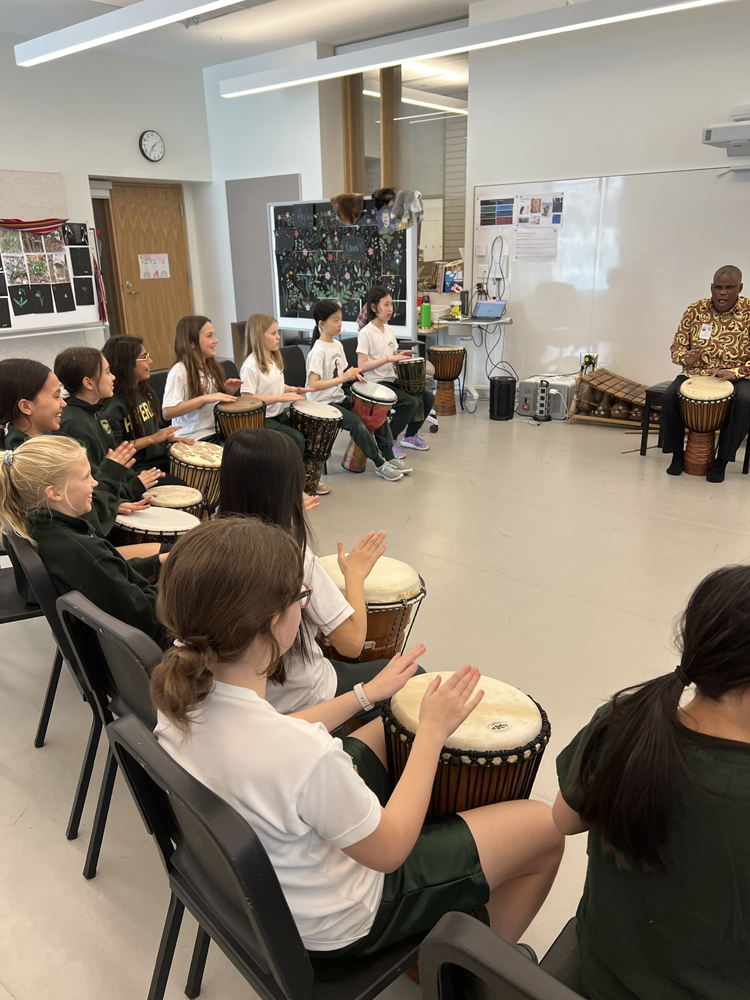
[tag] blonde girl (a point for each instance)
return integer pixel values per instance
(196, 382)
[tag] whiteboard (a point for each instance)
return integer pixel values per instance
(634, 251)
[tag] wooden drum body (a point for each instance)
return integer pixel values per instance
(393, 593)
(412, 378)
(198, 465)
(177, 498)
(704, 404)
(244, 412)
(492, 757)
(319, 423)
(371, 402)
(448, 361)
(157, 524)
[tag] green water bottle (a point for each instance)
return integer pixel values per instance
(425, 313)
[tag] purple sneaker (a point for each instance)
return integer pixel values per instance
(398, 452)
(417, 442)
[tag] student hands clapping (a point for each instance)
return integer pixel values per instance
(446, 705)
(363, 556)
(394, 675)
(150, 477)
(309, 503)
(123, 454)
(352, 375)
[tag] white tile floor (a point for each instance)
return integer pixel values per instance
(552, 561)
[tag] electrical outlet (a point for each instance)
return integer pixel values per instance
(482, 273)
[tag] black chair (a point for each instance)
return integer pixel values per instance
(158, 383)
(653, 398)
(115, 661)
(230, 370)
(461, 959)
(350, 350)
(295, 372)
(219, 870)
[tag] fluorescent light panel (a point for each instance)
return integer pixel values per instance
(573, 17)
(418, 104)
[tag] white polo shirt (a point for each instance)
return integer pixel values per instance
(376, 345)
(198, 423)
(298, 789)
(257, 383)
(327, 361)
(309, 682)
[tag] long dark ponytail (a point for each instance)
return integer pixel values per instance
(323, 311)
(632, 765)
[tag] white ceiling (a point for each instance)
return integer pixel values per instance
(270, 25)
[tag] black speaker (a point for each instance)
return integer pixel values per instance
(502, 397)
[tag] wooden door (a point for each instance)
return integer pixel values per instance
(147, 220)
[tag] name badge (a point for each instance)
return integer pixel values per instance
(706, 330)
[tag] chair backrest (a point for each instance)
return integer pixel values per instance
(216, 863)
(295, 372)
(116, 659)
(230, 368)
(350, 350)
(27, 565)
(158, 382)
(461, 959)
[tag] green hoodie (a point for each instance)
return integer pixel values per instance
(77, 559)
(121, 425)
(86, 423)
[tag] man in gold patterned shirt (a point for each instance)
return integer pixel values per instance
(713, 338)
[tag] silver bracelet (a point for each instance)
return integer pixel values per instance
(362, 697)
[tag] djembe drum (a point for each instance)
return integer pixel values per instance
(394, 592)
(198, 465)
(156, 524)
(319, 423)
(412, 378)
(371, 402)
(176, 498)
(492, 757)
(448, 361)
(243, 412)
(704, 404)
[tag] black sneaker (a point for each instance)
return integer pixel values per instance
(716, 472)
(678, 462)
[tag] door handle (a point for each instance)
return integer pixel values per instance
(131, 293)
(129, 285)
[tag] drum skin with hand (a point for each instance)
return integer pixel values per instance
(156, 524)
(243, 412)
(198, 465)
(448, 360)
(492, 757)
(704, 404)
(372, 403)
(319, 424)
(394, 592)
(177, 498)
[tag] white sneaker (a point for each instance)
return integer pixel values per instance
(388, 471)
(400, 464)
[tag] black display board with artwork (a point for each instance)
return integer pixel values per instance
(314, 257)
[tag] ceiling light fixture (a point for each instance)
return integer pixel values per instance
(438, 107)
(540, 24)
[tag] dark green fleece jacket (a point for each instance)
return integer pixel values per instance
(85, 422)
(121, 425)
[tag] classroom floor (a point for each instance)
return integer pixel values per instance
(552, 561)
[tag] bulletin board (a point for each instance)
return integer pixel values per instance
(46, 280)
(314, 257)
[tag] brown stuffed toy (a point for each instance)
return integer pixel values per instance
(348, 208)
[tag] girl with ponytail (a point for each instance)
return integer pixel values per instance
(662, 785)
(327, 374)
(46, 489)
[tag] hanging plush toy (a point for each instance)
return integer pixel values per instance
(348, 208)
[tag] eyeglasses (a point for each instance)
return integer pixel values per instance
(144, 357)
(305, 595)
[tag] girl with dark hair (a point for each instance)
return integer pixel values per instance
(196, 382)
(85, 375)
(377, 349)
(354, 861)
(663, 789)
(262, 475)
(133, 411)
(327, 374)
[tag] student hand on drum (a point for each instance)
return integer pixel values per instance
(394, 675)
(133, 507)
(232, 385)
(300, 390)
(363, 556)
(401, 356)
(150, 477)
(218, 397)
(446, 705)
(724, 373)
(166, 434)
(352, 375)
(123, 454)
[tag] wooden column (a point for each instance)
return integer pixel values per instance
(390, 109)
(354, 133)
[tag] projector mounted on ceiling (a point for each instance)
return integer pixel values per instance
(733, 136)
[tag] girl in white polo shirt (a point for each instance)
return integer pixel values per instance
(355, 864)
(197, 382)
(327, 374)
(376, 351)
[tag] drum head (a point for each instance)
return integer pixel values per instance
(505, 718)
(706, 389)
(446, 349)
(243, 404)
(389, 580)
(323, 411)
(159, 519)
(174, 496)
(373, 392)
(202, 453)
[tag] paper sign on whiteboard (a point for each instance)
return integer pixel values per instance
(153, 265)
(535, 244)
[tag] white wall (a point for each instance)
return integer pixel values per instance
(626, 98)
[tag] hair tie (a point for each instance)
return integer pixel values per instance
(8, 458)
(178, 642)
(686, 682)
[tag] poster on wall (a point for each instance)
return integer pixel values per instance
(539, 210)
(496, 212)
(535, 244)
(153, 265)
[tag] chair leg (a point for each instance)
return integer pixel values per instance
(746, 463)
(100, 819)
(644, 427)
(84, 779)
(49, 698)
(166, 949)
(197, 964)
